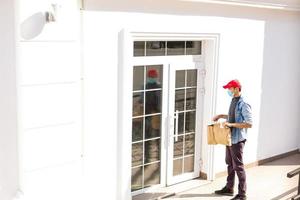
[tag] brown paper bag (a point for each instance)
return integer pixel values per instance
(155, 122)
(218, 134)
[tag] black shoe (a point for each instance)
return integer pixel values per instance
(225, 191)
(239, 197)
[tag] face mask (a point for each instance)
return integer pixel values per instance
(230, 93)
(151, 80)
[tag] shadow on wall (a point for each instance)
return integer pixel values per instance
(33, 26)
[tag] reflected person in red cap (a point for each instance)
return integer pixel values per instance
(239, 119)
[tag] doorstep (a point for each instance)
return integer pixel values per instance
(165, 192)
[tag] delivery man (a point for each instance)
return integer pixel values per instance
(239, 119)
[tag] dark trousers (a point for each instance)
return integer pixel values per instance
(234, 161)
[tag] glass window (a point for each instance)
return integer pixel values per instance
(154, 77)
(180, 123)
(189, 144)
(189, 164)
(137, 129)
(191, 79)
(175, 48)
(152, 126)
(139, 48)
(153, 102)
(155, 48)
(190, 122)
(178, 147)
(138, 103)
(191, 98)
(193, 47)
(167, 48)
(180, 79)
(177, 167)
(152, 174)
(137, 154)
(152, 151)
(138, 78)
(136, 178)
(179, 100)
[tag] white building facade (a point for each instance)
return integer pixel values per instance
(79, 122)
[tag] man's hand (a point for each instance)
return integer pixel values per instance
(217, 117)
(228, 125)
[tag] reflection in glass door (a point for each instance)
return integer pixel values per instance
(146, 126)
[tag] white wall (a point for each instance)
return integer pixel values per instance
(50, 86)
(279, 116)
(8, 114)
(50, 91)
(260, 47)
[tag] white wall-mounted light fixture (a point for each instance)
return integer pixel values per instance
(52, 14)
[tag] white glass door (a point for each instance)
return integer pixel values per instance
(166, 120)
(185, 106)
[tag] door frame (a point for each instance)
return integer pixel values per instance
(124, 120)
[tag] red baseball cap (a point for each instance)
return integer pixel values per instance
(152, 73)
(233, 83)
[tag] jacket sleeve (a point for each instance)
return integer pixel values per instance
(247, 113)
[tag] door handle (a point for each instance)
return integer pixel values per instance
(176, 126)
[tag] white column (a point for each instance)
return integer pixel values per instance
(8, 116)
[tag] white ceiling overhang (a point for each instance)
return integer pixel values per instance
(171, 5)
(293, 5)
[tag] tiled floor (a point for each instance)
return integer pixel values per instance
(265, 182)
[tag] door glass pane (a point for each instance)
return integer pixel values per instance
(190, 121)
(152, 174)
(189, 164)
(191, 99)
(139, 48)
(155, 48)
(137, 103)
(137, 129)
(178, 147)
(153, 102)
(177, 167)
(136, 178)
(138, 78)
(193, 48)
(189, 144)
(169, 48)
(175, 47)
(152, 151)
(191, 78)
(180, 124)
(179, 100)
(152, 126)
(154, 77)
(137, 154)
(180, 79)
